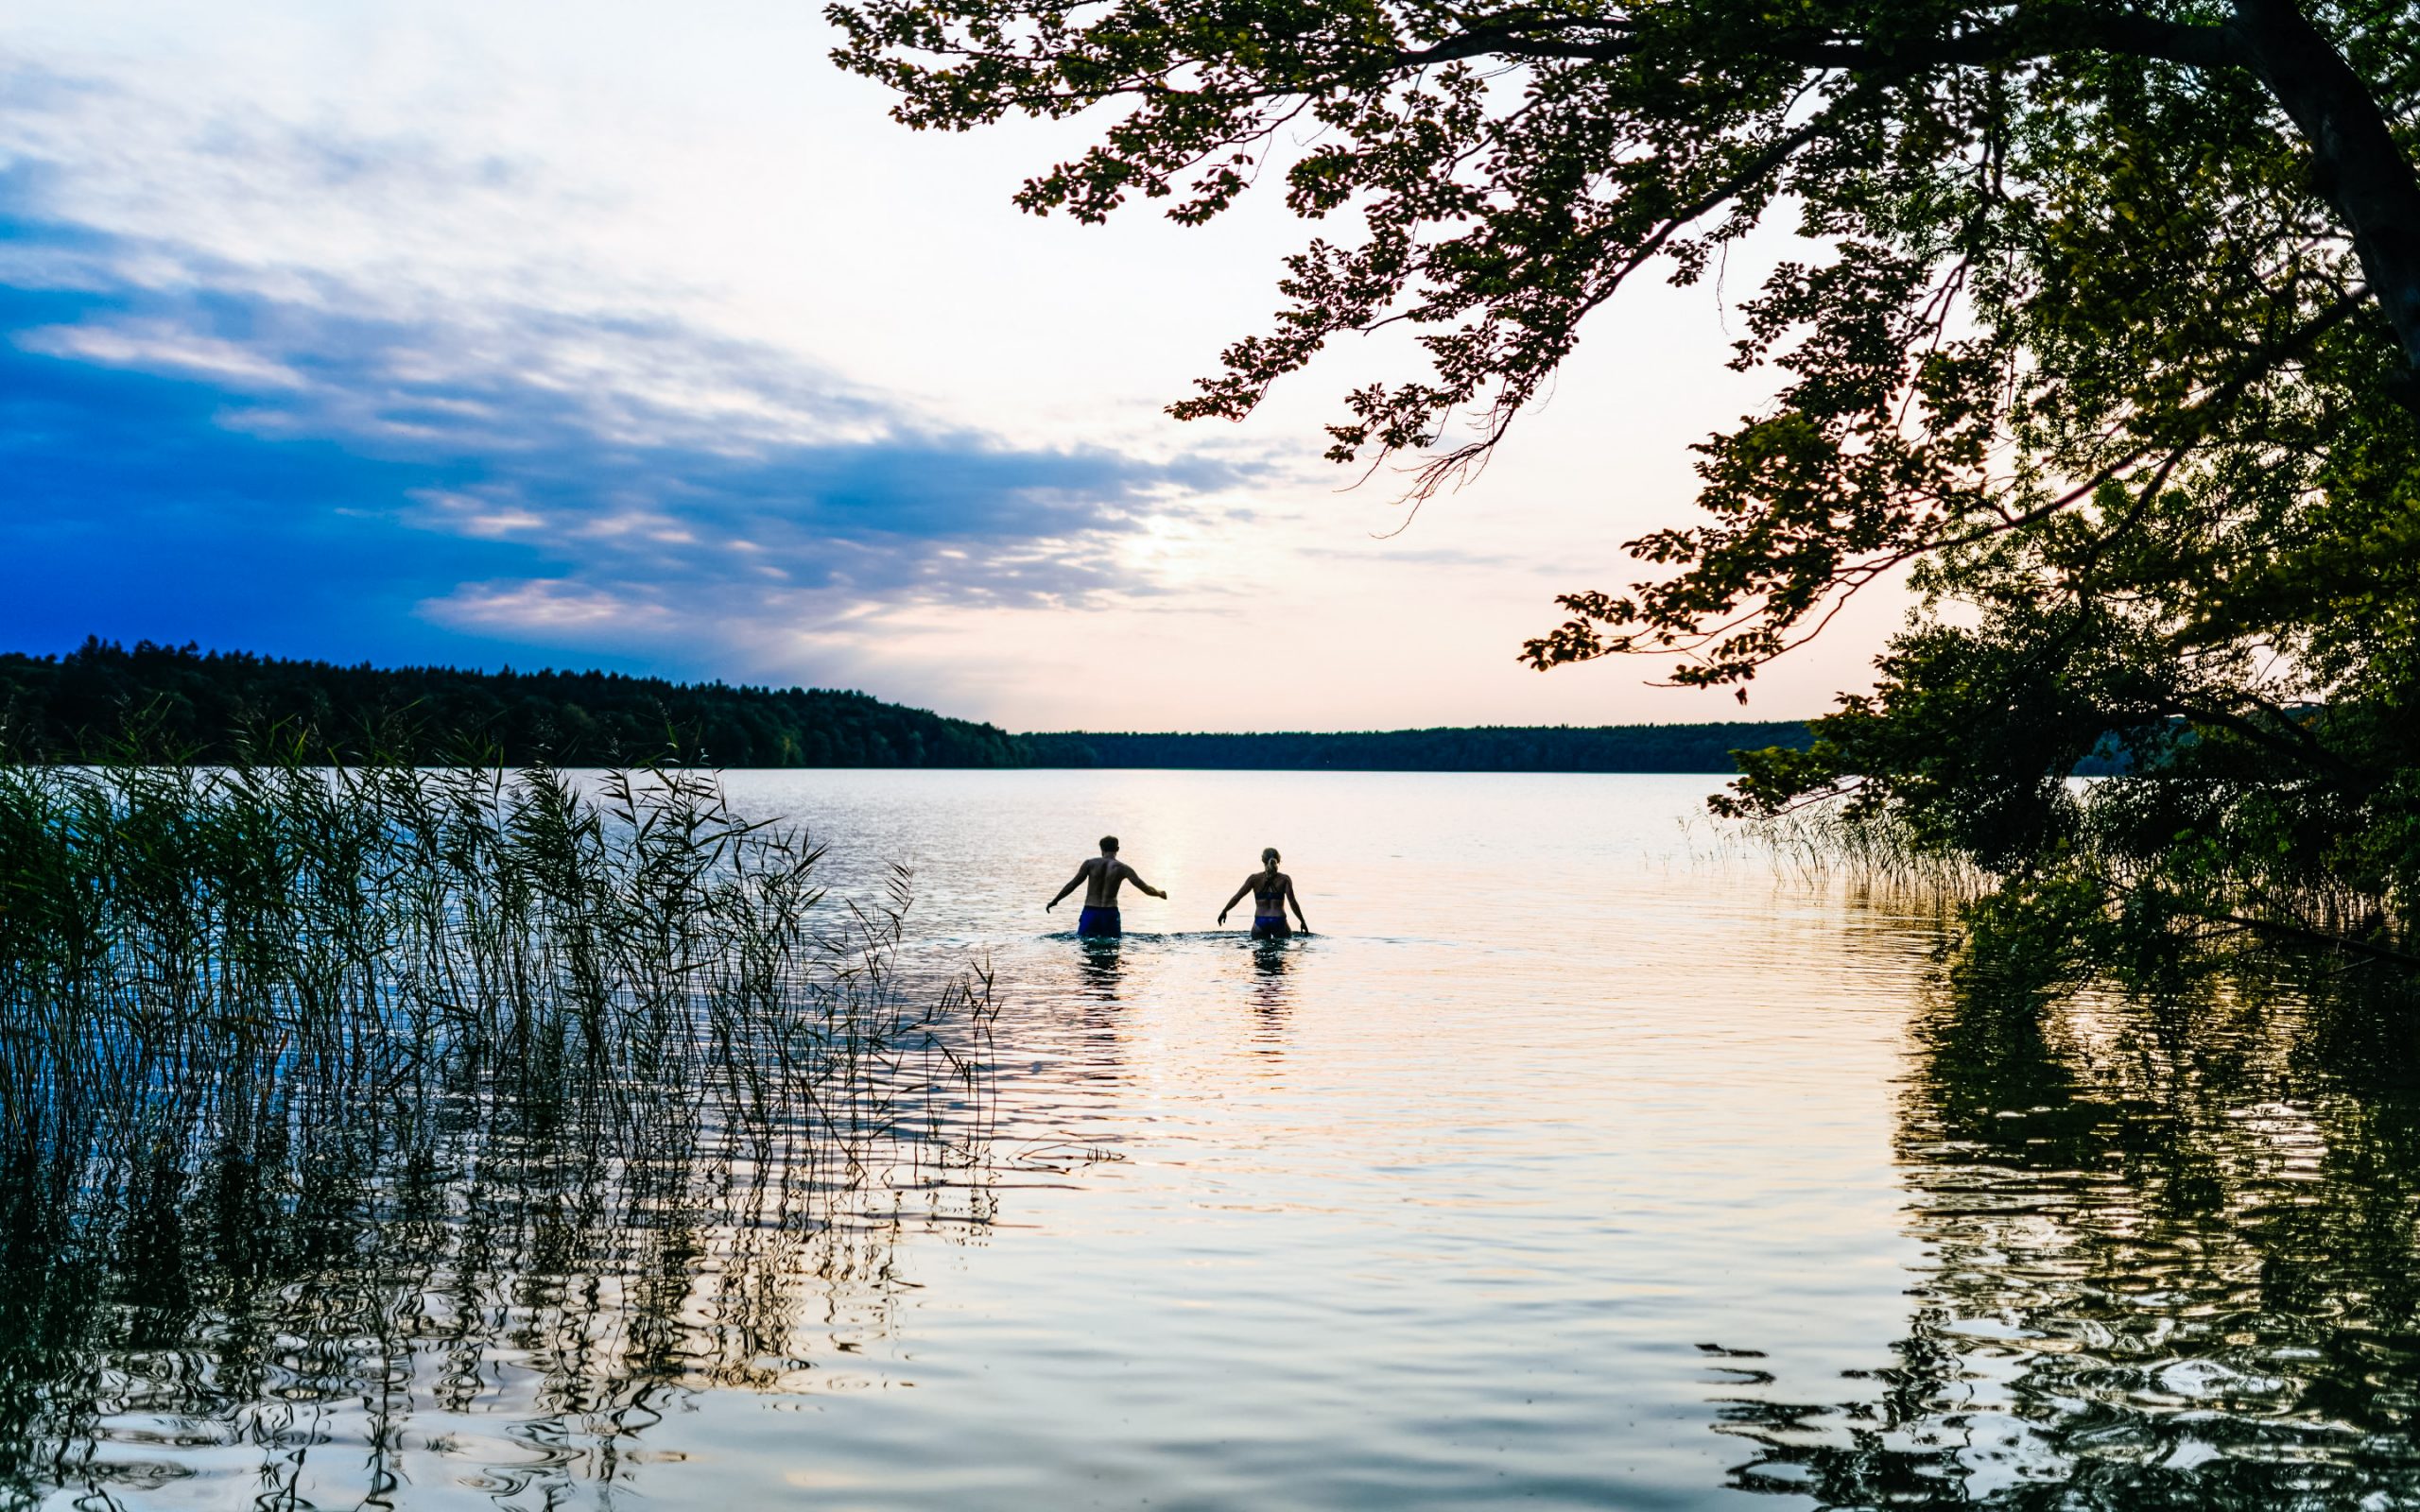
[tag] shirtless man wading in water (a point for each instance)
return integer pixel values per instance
(1100, 877)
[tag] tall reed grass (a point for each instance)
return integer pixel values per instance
(1868, 853)
(1830, 847)
(184, 948)
(387, 1088)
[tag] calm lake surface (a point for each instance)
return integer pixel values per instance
(1582, 1158)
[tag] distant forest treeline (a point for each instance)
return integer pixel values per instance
(1481, 748)
(76, 706)
(81, 705)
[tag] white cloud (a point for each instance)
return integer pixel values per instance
(545, 609)
(156, 347)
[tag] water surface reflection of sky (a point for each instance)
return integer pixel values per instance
(1453, 1201)
(1582, 1159)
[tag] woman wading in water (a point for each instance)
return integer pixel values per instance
(1271, 890)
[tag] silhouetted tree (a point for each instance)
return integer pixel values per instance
(2109, 333)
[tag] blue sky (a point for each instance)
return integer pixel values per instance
(544, 335)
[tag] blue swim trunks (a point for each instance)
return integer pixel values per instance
(1098, 921)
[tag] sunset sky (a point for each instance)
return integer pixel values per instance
(637, 336)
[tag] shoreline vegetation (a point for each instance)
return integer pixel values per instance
(377, 1087)
(1706, 749)
(186, 950)
(203, 706)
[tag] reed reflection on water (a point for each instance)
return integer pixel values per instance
(2172, 1261)
(469, 1291)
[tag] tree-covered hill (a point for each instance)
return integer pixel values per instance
(63, 708)
(203, 704)
(1482, 748)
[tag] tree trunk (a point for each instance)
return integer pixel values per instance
(2359, 167)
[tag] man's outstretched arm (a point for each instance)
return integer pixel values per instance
(1136, 878)
(1073, 883)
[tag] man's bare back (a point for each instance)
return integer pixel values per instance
(1100, 877)
(1103, 877)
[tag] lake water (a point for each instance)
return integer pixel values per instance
(1583, 1157)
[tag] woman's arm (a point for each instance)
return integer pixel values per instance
(1237, 899)
(1298, 906)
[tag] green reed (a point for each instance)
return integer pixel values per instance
(188, 949)
(355, 1081)
(1870, 853)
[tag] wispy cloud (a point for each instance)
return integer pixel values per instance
(242, 434)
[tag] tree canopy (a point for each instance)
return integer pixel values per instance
(2104, 326)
